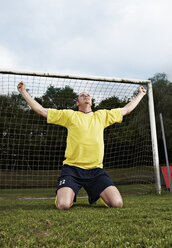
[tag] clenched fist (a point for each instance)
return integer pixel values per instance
(21, 86)
(142, 90)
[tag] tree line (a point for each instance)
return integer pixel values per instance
(26, 140)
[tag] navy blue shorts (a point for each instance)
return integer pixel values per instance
(94, 181)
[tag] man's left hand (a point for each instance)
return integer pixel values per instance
(142, 90)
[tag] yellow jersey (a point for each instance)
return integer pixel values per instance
(85, 139)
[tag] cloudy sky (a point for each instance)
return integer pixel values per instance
(116, 38)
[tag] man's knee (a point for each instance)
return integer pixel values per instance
(64, 198)
(64, 205)
(116, 203)
(112, 197)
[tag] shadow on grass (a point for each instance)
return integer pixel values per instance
(27, 207)
(46, 206)
(87, 205)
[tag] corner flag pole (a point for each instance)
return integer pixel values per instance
(165, 150)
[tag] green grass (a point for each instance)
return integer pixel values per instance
(50, 192)
(144, 221)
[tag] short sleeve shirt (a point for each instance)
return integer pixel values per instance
(85, 141)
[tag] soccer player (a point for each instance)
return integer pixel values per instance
(85, 148)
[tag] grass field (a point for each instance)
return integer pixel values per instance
(48, 178)
(50, 192)
(145, 221)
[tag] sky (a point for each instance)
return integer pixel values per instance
(113, 38)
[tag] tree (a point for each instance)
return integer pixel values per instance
(58, 98)
(111, 102)
(162, 91)
(13, 112)
(26, 140)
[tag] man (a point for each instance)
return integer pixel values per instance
(85, 148)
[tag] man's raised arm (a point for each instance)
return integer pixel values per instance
(128, 108)
(32, 103)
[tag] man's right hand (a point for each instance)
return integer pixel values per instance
(21, 87)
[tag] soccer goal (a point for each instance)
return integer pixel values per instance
(32, 151)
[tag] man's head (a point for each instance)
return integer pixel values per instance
(84, 100)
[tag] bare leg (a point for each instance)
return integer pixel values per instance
(65, 197)
(112, 197)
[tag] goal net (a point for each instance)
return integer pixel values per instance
(32, 151)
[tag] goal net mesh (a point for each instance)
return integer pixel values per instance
(32, 151)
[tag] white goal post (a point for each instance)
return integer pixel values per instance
(28, 158)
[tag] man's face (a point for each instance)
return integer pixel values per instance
(83, 99)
